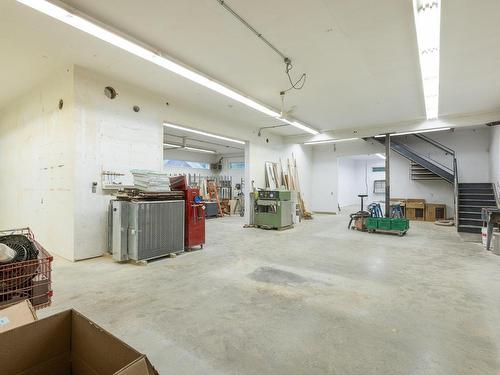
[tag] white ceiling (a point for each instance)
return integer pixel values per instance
(360, 56)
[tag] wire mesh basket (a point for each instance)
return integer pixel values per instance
(26, 279)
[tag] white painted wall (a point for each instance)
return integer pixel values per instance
(495, 157)
(471, 147)
(37, 163)
(235, 174)
(113, 137)
(471, 150)
(349, 181)
(325, 177)
(51, 158)
(109, 136)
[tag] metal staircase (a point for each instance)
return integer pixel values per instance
(471, 198)
(422, 167)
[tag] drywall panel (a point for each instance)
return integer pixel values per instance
(37, 163)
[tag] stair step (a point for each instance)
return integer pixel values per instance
(427, 178)
(477, 202)
(468, 196)
(469, 215)
(475, 190)
(473, 222)
(482, 185)
(469, 208)
(469, 229)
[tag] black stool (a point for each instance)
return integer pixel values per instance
(361, 213)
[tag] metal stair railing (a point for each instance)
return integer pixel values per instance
(432, 165)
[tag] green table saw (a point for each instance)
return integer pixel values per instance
(274, 209)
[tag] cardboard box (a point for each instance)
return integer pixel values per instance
(16, 315)
(68, 343)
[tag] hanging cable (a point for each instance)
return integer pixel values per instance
(299, 83)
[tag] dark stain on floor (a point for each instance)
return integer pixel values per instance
(275, 276)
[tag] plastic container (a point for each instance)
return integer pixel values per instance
(400, 224)
(372, 223)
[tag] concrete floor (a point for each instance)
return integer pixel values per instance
(317, 299)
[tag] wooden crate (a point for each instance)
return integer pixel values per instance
(435, 211)
(413, 213)
(415, 203)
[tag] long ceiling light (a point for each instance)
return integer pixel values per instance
(171, 145)
(413, 132)
(329, 141)
(381, 156)
(178, 127)
(83, 24)
(189, 148)
(427, 15)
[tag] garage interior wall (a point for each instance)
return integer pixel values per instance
(67, 150)
(473, 158)
(37, 155)
(495, 157)
(357, 177)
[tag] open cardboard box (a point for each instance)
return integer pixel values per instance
(16, 315)
(68, 343)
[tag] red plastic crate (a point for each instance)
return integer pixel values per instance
(29, 279)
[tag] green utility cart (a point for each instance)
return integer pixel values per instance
(389, 225)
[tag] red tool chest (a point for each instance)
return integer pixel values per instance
(194, 227)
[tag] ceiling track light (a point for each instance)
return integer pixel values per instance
(330, 141)
(83, 23)
(427, 15)
(178, 127)
(413, 132)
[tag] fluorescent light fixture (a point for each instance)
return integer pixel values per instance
(381, 156)
(178, 127)
(99, 32)
(171, 145)
(299, 125)
(189, 148)
(199, 150)
(413, 132)
(329, 141)
(427, 14)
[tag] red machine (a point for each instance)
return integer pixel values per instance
(194, 223)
